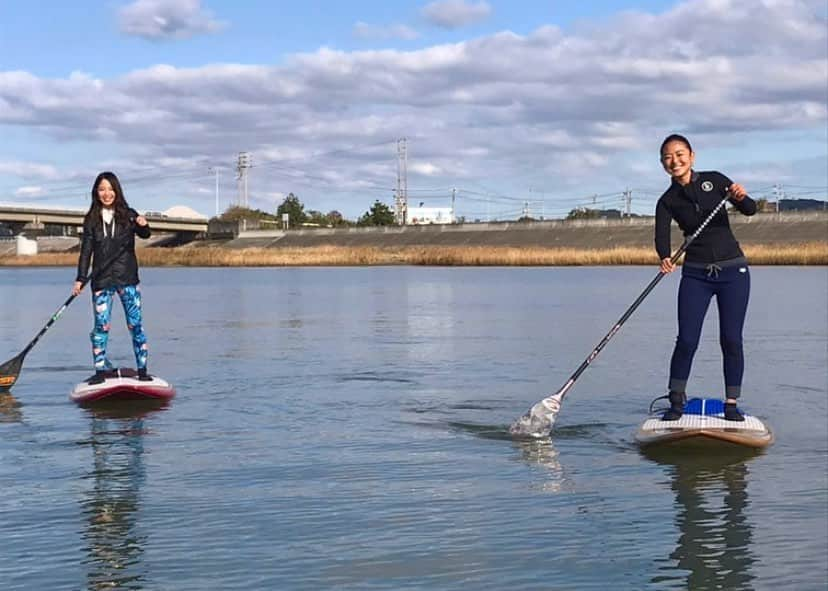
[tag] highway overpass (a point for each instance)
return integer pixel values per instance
(68, 222)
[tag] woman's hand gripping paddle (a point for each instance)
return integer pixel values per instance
(538, 420)
(11, 368)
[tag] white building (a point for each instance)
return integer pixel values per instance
(429, 215)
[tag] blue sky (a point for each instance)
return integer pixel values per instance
(514, 104)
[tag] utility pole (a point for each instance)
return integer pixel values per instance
(780, 194)
(628, 202)
(244, 163)
(453, 211)
(215, 171)
(542, 202)
(401, 198)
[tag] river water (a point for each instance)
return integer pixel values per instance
(346, 428)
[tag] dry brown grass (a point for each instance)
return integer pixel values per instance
(815, 253)
(43, 259)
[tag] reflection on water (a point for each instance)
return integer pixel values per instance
(10, 409)
(111, 507)
(714, 545)
(535, 452)
(541, 452)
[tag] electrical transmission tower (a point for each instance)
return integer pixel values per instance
(244, 163)
(401, 198)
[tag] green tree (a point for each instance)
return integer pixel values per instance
(583, 213)
(379, 215)
(336, 219)
(316, 218)
(295, 210)
(236, 213)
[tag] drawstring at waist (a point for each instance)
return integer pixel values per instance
(713, 270)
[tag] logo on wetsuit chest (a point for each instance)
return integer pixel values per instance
(707, 186)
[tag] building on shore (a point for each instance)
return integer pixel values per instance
(420, 216)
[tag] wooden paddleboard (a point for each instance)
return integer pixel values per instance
(122, 384)
(703, 424)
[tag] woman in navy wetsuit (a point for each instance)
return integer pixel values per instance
(714, 264)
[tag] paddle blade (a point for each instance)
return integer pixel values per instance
(538, 420)
(9, 372)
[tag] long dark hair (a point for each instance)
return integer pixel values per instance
(675, 137)
(120, 205)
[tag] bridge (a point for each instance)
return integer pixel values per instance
(70, 222)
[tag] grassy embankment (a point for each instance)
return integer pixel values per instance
(815, 253)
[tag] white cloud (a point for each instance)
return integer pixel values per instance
(384, 32)
(29, 192)
(425, 168)
(509, 108)
(453, 14)
(31, 170)
(167, 19)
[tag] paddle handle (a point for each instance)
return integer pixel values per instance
(617, 326)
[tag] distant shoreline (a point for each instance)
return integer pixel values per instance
(808, 253)
(767, 239)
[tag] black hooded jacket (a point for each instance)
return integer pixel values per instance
(690, 205)
(112, 254)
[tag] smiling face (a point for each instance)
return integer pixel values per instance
(677, 159)
(106, 193)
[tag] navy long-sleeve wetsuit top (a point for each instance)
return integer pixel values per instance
(690, 205)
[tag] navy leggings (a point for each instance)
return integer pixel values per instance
(731, 286)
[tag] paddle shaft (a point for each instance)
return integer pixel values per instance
(51, 321)
(69, 300)
(10, 369)
(673, 259)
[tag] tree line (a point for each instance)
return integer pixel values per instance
(379, 214)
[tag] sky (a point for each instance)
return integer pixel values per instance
(503, 107)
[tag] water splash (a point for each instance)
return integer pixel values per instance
(538, 420)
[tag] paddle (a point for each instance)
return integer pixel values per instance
(539, 419)
(11, 368)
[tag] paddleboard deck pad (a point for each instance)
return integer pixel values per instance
(122, 384)
(703, 423)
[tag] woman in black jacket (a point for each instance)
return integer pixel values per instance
(714, 264)
(108, 242)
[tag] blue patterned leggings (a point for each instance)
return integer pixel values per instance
(102, 307)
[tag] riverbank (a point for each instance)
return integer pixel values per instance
(789, 229)
(767, 239)
(810, 253)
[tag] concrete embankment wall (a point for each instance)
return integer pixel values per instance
(8, 246)
(769, 229)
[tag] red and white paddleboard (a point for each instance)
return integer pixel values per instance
(123, 384)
